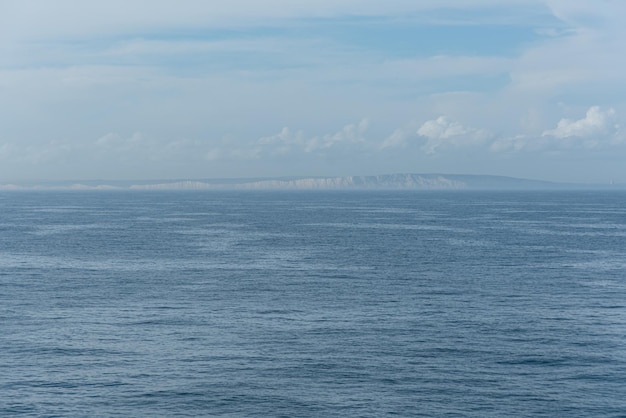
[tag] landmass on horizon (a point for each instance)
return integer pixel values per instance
(407, 181)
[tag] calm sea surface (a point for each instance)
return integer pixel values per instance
(146, 304)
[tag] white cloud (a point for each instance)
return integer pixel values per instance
(283, 141)
(442, 133)
(595, 122)
(397, 139)
(598, 129)
(286, 140)
(441, 128)
(349, 134)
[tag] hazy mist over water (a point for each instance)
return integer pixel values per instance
(313, 303)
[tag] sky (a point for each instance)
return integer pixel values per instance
(161, 89)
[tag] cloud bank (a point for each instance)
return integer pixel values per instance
(206, 88)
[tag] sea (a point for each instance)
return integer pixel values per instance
(312, 304)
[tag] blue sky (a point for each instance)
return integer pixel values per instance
(160, 89)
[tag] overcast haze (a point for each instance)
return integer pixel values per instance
(153, 89)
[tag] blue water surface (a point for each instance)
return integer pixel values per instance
(312, 304)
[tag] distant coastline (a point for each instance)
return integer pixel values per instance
(409, 181)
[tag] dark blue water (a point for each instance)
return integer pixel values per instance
(313, 304)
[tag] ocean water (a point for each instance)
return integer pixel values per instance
(297, 304)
